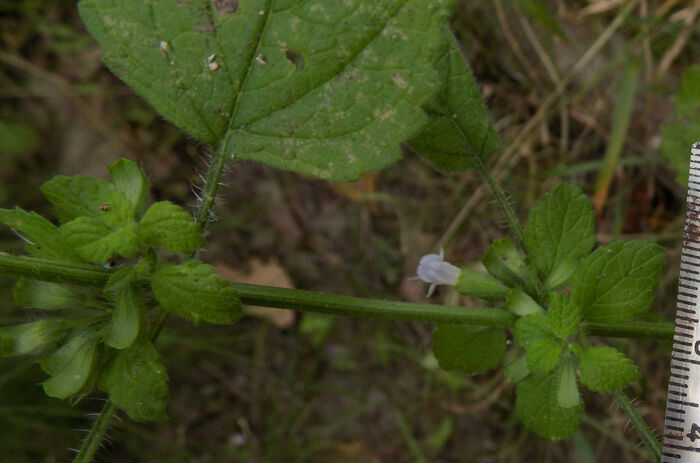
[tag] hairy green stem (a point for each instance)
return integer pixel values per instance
(311, 301)
(96, 435)
(501, 198)
(648, 437)
(217, 164)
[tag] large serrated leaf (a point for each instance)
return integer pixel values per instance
(537, 404)
(618, 282)
(459, 130)
(559, 227)
(326, 88)
(136, 382)
(194, 291)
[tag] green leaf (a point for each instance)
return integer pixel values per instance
(96, 242)
(80, 196)
(516, 370)
(473, 283)
(72, 366)
(560, 274)
(45, 295)
(472, 349)
(567, 392)
(682, 127)
(604, 369)
(505, 262)
(537, 406)
(618, 282)
(31, 338)
(459, 130)
(520, 303)
(136, 382)
(531, 328)
(43, 238)
(323, 88)
(194, 291)
(129, 179)
(121, 277)
(127, 319)
(543, 355)
(560, 226)
(563, 315)
(167, 226)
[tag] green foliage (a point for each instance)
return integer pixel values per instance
(167, 226)
(612, 284)
(473, 349)
(194, 291)
(473, 283)
(563, 316)
(72, 366)
(543, 355)
(682, 127)
(328, 89)
(604, 369)
(505, 262)
(136, 382)
(538, 407)
(103, 333)
(618, 282)
(520, 303)
(531, 328)
(560, 226)
(459, 132)
(128, 318)
(46, 296)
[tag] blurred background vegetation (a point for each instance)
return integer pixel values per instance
(580, 91)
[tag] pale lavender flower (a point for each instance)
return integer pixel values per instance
(433, 269)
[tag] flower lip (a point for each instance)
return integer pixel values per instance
(433, 269)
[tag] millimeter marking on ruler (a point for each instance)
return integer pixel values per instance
(682, 422)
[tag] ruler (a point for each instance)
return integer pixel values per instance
(682, 421)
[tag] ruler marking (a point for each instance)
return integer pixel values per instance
(676, 410)
(673, 418)
(676, 375)
(687, 319)
(683, 402)
(683, 293)
(673, 428)
(683, 334)
(684, 301)
(679, 359)
(682, 343)
(683, 285)
(679, 394)
(684, 327)
(681, 447)
(682, 351)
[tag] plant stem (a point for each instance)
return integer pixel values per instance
(648, 438)
(311, 301)
(501, 198)
(217, 164)
(96, 434)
